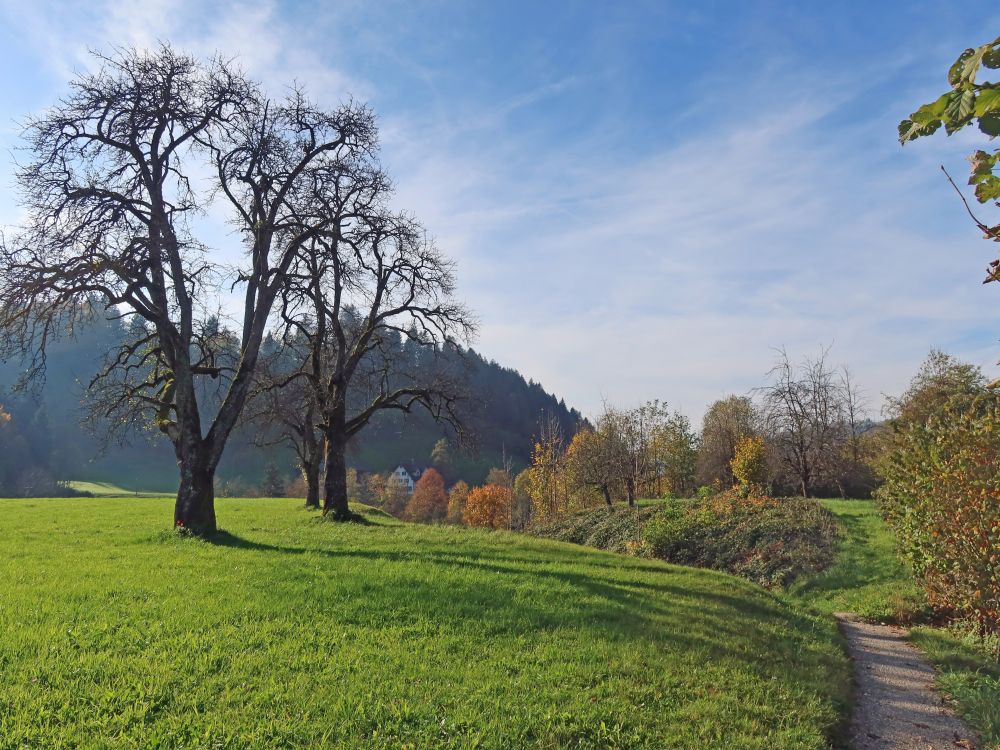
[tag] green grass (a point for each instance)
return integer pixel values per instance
(290, 632)
(867, 577)
(968, 673)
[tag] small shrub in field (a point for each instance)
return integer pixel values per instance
(769, 541)
(489, 506)
(942, 497)
(429, 502)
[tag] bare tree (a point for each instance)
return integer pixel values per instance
(282, 411)
(851, 472)
(810, 414)
(372, 301)
(631, 433)
(112, 200)
(548, 477)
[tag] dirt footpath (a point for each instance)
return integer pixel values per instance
(896, 706)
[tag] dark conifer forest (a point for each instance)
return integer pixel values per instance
(47, 437)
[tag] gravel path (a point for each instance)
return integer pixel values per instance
(896, 706)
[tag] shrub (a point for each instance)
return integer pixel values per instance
(704, 492)
(942, 497)
(489, 506)
(769, 541)
(749, 464)
(617, 528)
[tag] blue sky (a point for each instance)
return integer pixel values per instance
(644, 198)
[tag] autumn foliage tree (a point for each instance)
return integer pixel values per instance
(489, 506)
(591, 463)
(726, 422)
(548, 478)
(674, 447)
(429, 502)
(749, 465)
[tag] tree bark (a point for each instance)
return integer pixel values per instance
(335, 480)
(310, 470)
(607, 494)
(194, 509)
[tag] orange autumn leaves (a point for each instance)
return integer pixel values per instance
(429, 502)
(489, 506)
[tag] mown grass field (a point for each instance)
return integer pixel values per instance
(291, 632)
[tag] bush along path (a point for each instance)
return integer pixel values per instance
(896, 706)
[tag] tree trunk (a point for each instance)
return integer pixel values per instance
(607, 494)
(194, 509)
(310, 472)
(335, 480)
(630, 488)
(195, 506)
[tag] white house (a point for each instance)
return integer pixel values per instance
(406, 476)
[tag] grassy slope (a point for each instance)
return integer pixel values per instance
(869, 579)
(295, 633)
(106, 489)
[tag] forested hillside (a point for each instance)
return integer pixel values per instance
(46, 435)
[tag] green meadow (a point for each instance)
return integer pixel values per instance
(286, 631)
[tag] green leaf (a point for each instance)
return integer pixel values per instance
(990, 124)
(971, 65)
(992, 58)
(961, 105)
(955, 72)
(988, 190)
(983, 164)
(986, 101)
(909, 130)
(933, 111)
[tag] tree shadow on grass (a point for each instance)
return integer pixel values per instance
(681, 609)
(617, 595)
(222, 538)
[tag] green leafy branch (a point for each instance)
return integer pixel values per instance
(969, 102)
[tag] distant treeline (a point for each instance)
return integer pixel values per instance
(48, 434)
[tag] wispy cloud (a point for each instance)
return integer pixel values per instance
(773, 209)
(675, 274)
